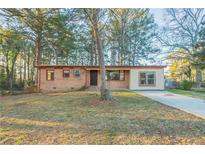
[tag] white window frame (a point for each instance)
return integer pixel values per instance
(121, 75)
(146, 79)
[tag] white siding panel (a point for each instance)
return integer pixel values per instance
(134, 79)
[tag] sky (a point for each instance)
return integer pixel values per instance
(158, 16)
(157, 12)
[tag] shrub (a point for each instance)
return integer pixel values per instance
(18, 85)
(186, 85)
(30, 82)
(30, 89)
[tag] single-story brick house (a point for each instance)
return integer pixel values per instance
(62, 77)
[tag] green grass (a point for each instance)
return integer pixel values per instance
(81, 118)
(192, 93)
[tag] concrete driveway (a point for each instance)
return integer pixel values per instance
(188, 104)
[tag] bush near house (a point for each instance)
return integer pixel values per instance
(186, 85)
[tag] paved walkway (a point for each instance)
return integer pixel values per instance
(188, 104)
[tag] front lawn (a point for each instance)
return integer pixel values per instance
(80, 118)
(192, 93)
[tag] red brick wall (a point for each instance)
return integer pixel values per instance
(61, 83)
(116, 84)
(119, 84)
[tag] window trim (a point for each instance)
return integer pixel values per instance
(66, 70)
(74, 73)
(47, 74)
(146, 79)
(108, 79)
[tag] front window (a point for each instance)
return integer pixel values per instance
(115, 75)
(77, 73)
(50, 75)
(66, 73)
(147, 78)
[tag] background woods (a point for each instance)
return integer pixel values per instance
(30, 37)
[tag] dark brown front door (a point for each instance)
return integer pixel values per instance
(93, 77)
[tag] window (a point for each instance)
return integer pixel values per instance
(77, 73)
(115, 75)
(147, 78)
(50, 75)
(66, 73)
(142, 78)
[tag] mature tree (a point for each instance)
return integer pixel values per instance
(180, 68)
(35, 20)
(94, 17)
(132, 35)
(183, 32)
(11, 44)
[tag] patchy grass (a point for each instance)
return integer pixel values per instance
(81, 118)
(192, 93)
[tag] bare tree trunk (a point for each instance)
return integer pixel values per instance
(24, 72)
(105, 93)
(91, 55)
(113, 57)
(7, 71)
(38, 48)
(33, 71)
(113, 54)
(56, 58)
(96, 58)
(11, 75)
(198, 77)
(28, 71)
(122, 42)
(93, 50)
(20, 69)
(38, 56)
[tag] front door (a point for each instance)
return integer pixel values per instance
(93, 77)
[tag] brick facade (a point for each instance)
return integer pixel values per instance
(60, 83)
(131, 77)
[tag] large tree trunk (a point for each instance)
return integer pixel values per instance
(38, 48)
(105, 93)
(24, 71)
(7, 71)
(198, 77)
(33, 71)
(37, 53)
(113, 54)
(113, 57)
(10, 82)
(121, 60)
(56, 58)
(11, 75)
(28, 68)
(93, 49)
(20, 68)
